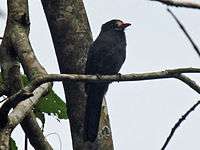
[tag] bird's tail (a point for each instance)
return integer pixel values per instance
(95, 92)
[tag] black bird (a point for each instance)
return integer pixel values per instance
(105, 57)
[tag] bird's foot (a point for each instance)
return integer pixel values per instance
(98, 76)
(119, 76)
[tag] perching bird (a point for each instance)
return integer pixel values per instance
(105, 57)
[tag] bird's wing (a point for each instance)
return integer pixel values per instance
(105, 57)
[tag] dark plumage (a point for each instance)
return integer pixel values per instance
(105, 57)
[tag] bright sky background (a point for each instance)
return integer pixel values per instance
(142, 113)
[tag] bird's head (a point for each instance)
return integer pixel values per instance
(114, 24)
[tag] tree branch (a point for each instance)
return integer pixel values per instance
(171, 73)
(18, 18)
(26, 105)
(180, 3)
(178, 124)
(20, 111)
(189, 82)
(30, 122)
(9, 72)
(26, 55)
(185, 32)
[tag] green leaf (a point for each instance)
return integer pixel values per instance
(25, 80)
(51, 104)
(13, 145)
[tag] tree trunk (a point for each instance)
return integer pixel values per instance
(72, 37)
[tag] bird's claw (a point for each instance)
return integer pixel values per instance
(119, 76)
(98, 76)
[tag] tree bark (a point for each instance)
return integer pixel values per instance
(35, 136)
(72, 37)
(18, 16)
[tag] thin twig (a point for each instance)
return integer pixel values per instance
(178, 124)
(189, 82)
(185, 32)
(180, 3)
(26, 143)
(54, 133)
(1, 38)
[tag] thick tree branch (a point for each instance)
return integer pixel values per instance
(18, 18)
(10, 72)
(180, 3)
(185, 32)
(22, 46)
(20, 111)
(18, 114)
(33, 134)
(178, 124)
(5, 138)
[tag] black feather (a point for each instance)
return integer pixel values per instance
(105, 57)
(93, 109)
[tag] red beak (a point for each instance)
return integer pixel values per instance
(124, 25)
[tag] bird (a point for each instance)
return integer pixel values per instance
(105, 57)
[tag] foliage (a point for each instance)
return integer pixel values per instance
(13, 145)
(50, 104)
